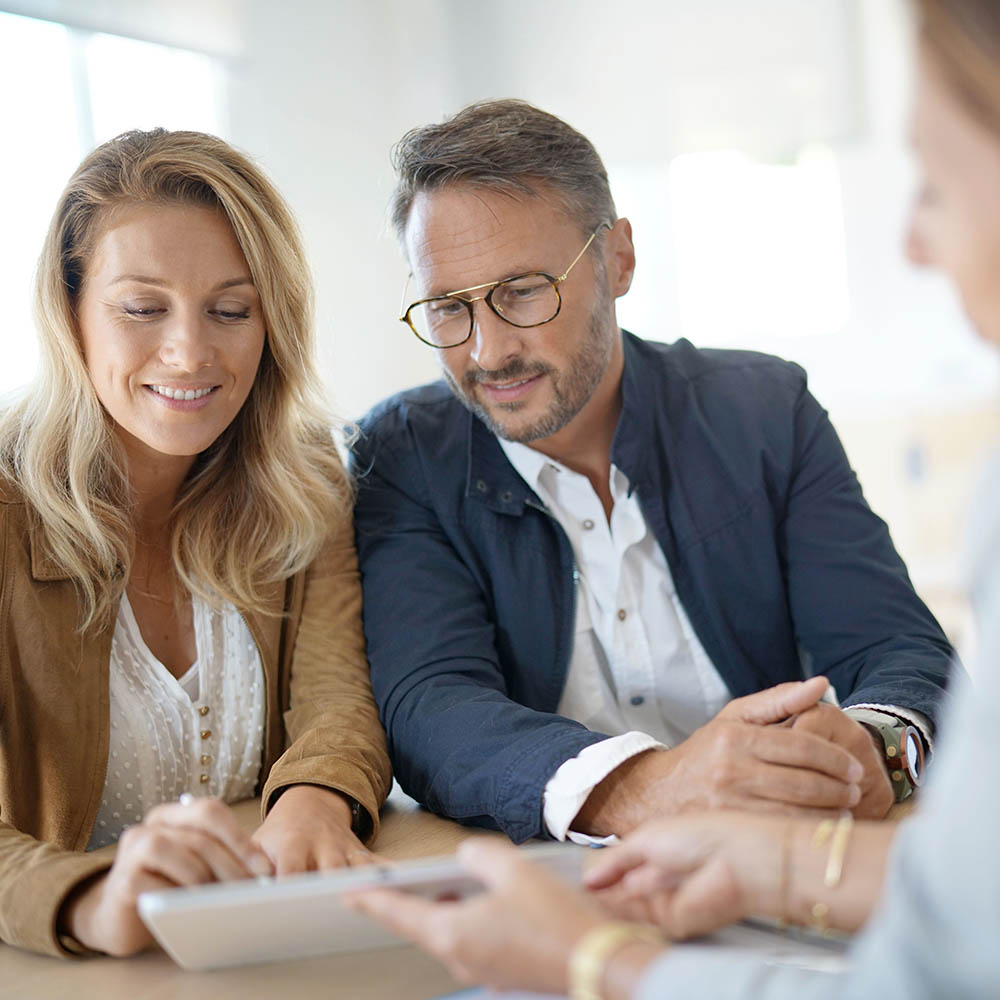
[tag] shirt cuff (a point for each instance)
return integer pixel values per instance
(568, 789)
(908, 715)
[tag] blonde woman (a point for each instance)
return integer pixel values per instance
(180, 614)
(927, 898)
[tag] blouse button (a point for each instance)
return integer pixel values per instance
(205, 758)
(203, 779)
(588, 524)
(203, 710)
(205, 733)
(622, 614)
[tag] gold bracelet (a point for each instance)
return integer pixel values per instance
(590, 956)
(839, 835)
(838, 850)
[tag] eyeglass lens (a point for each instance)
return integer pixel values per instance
(526, 300)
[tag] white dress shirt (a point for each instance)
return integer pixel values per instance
(638, 671)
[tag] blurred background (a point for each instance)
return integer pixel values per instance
(759, 150)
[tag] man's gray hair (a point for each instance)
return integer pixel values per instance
(508, 146)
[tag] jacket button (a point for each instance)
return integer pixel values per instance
(507, 496)
(481, 485)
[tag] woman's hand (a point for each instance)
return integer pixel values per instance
(175, 845)
(694, 874)
(309, 828)
(518, 934)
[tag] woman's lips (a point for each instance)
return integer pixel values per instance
(200, 396)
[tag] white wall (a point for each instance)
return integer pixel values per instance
(318, 90)
(320, 95)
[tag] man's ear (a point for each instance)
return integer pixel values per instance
(620, 257)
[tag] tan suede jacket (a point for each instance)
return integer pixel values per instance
(54, 714)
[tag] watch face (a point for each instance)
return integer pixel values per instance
(914, 754)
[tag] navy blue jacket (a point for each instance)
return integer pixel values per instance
(469, 583)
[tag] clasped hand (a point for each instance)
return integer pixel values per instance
(780, 750)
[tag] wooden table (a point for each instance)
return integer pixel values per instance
(402, 973)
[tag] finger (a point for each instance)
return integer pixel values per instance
(673, 855)
(800, 787)
(648, 879)
(805, 750)
(833, 724)
(493, 862)
(293, 857)
(613, 864)
(358, 857)
(777, 703)
(214, 817)
(708, 900)
(166, 853)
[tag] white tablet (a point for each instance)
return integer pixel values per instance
(277, 919)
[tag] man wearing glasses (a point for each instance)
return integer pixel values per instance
(592, 563)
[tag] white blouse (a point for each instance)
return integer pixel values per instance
(202, 733)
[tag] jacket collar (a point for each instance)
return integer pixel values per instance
(641, 389)
(492, 480)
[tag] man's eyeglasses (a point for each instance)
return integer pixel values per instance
(523, 300)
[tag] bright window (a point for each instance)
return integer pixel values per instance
(736, 253)
(67, 90)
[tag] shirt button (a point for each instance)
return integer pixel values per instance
(203, 779)
(203, 710)
(621, 614)
(637, 699)
(205, 758)
(588, 524)
(205, 733)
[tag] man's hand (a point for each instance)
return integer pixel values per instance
(308, 829)
(831, 723)
(739, 760)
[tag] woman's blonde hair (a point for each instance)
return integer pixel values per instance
(258, 503)
(963, 38)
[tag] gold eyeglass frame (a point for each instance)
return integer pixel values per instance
(487, 297)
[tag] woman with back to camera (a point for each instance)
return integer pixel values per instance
(180, 597)
(930, 907)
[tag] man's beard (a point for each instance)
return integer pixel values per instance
(571, 388)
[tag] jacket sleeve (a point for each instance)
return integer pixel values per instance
(334, 734)
(459, 743)
(35, 880)
(856, 615)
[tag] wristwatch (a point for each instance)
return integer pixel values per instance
(904, 749)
